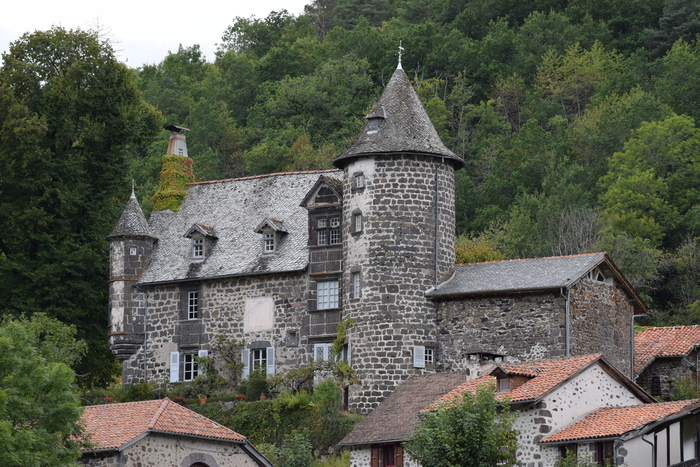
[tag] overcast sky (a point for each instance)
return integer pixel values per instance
(141, 31)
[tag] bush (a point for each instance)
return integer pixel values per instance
(296, 450)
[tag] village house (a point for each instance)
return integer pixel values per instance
(161, 432)
(274, 262)
(548, 396)
(664, 356)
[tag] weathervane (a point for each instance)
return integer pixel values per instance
(401, 49)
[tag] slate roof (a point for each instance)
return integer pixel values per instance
(549, 375)
(395, 418)
(404, 126)
(115, 426)
(233, 209)
(673, 341)
(523, 275)
(132, 222)
(614, 422)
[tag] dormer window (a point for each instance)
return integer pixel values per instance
(198, 248)
(596, 275)
(327, 229)
(373, 125)
(269, 242)
(503, 385)
(271, 230)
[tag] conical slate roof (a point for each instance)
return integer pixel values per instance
(132, 223)
(403, 127)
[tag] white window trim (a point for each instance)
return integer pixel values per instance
(269, 242)
(247, 356)
(355, 286)
(198, 248)
(419, 356)
(357, 222)
(322, 237)
(193, 305)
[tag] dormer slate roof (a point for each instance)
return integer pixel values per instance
(529, 275)
(396, 417)
(132, 222)
(664, 342)
(233, 209)
(548, 374)
(115, 426)
(404, 127)
(616, 422)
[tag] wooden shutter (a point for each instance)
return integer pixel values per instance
(245, 358)
(174, 367)
(270, 361)
(201, 354)
(374, 460)
(419, 356)
(398, 456)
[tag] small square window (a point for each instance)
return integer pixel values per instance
(133, 251)
(326, 295)
(269, 243)
(198, 248)
(335, 221)
(322, 223)
(359, 181)
(192, 305)
(322, 237)
(429, 356)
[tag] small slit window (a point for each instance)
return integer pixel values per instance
(355, 285)
(357, 222)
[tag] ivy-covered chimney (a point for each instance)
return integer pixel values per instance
(175, 174)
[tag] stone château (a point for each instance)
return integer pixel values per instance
(275, 262)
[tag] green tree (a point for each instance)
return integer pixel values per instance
(69, 112)
(475, 430)
(39, 403)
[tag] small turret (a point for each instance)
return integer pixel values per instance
(130, 249)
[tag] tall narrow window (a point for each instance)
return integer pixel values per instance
(322, 237)
(327, 295)
(355, 293)
(269, 243)
(429, 356)
(357, 222)
(259, 359)
(359, 181)
(192, 305)
(198, 248)
(191, 369)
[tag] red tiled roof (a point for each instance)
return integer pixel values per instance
(674, 341)
(114, 425)
(616, 421)
(548, 374)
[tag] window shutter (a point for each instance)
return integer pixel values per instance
(419, 356)
(174, 367)
(374, 461)
(398, 456)
(270, 361)
(245, 358)
(201, 354)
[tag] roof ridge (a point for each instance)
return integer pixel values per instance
(158, 413)
(532, 259)
(250, 177)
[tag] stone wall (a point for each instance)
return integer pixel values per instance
(221, 312)
(601, 318)
(521, 326)
(395, 255)
(668, 370)
(175, 451)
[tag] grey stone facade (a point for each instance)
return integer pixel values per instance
(660, 377)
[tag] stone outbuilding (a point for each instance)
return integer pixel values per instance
(665, 355)
(162, 432)
(548, 396)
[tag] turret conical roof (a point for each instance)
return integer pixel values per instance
(398, 123)
(132, 222)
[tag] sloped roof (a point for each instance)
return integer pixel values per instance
(115, 426)
(404, 126)
(395, 418)
(132, 222)
(550, 374)
(522, 275)
(233, 209)
(613, 422)
(673, 341)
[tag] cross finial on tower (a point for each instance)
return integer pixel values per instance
(401, 49)
(133, 188)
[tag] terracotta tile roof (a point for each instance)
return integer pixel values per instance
(395, 418)
(674, 341)
(616, 421)
(549, 374)
(111, 426)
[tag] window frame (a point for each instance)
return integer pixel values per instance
(192, 304)
(357, 222)
(189, 360)
(328, 295)
(197, 247)
(258, 358)
(269, 242)
(355, 285)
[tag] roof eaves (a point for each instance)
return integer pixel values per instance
(193, 435)
(435, 294)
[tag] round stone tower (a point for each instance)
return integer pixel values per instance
(399, 236)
